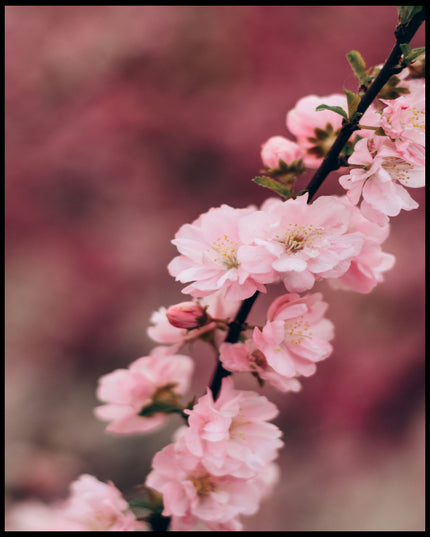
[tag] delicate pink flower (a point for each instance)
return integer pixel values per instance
(315, 130)
(191, 494)
(301, 242)
(99, 506)
(211, 256)
(158, 378)
(217, 307)
(245, 357)
(279, 148)
(379, 178)
(403, 121)
(232, 435)
(296, 335)
(368, 267)
(186, 315)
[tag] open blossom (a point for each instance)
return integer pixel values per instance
(99, 506)
(132, 395)
(245, 357)
(211, 256)
(379, 177)
(301, 242)
(296, 335)
(216, 306)
(368, 267)
(232, 435)
(279, 148)
(403, 121)
(192, 495)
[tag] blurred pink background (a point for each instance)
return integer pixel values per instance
(123, 123)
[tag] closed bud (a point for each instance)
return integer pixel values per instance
(187, 315)
(278, 149)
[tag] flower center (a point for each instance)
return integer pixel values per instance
(226, 251)
(398, 169)
(297, 237)
(297, 330)
(418, 118)
(203, 485)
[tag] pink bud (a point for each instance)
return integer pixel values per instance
(277, 148)
(186, 315)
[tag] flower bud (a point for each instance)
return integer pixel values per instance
(186, 315)
(279, 148)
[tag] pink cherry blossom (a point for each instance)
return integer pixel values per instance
(232, 435)
(303, 120)
(99, 506)
(186, 315)
(279, 148)
(296, 335)
(192, 496)
(211, 256)
(245, 357)
(368, 267)
(157, 378)
(403, 121)
(217, 307)
(380, 177)
(301, 242)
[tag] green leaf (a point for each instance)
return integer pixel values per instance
(273, 185)
(406, 13)
(358, 65)
(336, 109)
(410, 55)
(353, 100)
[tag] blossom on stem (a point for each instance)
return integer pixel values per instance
(216, 306)
(186, 315)
(279, 148)
(296, 335)
(379, 178)
(301, 242)
(211, 256)
(245, 357)
(232, 435)
(138, 398)
(314, 130)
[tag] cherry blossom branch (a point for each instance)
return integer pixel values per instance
(403, 33)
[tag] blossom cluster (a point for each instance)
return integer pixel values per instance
(222, 462)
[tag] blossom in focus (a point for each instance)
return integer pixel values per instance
(211, 256)
(245, 357)
(314, 130)
(368, 267)
(186, 315)
(279, 148)
(216, 306)
(232, 435)
(301, 242)
(296, 335)
(403, 121)
(380, 176)
(135, 397)
(99, 506)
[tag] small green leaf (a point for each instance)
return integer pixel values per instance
(336, 109)
(273, 185)
(406, 13)
(353, 100)
(410, 55)
(358, 65)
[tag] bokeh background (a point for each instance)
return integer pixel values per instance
(123, 123)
